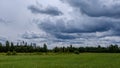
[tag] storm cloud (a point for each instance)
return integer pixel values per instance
(97, 8)
(61, 22)
(76, 26)
(93, 20)
(68, 29)
(49, 10)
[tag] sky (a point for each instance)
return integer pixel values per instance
(61, 22)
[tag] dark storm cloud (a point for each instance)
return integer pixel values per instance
(56, 30)
(97, 8)
(66, 30)
(53, 11)
(91, 21)
(63, 36)
(89, 27)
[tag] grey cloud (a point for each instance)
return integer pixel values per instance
(81, 27)
(63, 36)
(2, 20)
(97, 8)
(66, 30)
(2, 39)
(30, 36)
(53, 11)
(99, 18)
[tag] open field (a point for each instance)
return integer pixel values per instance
(84, 60)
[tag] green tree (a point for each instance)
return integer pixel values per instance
(71, 49)
(45, 48)
(56, 49)
(7, 46)
(113, 48)
(0, 47)
(12, 47)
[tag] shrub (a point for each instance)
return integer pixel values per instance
(76, 52)
(14, 53)
(39, 53)
(8, 53)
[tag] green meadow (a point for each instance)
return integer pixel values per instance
(83, 60)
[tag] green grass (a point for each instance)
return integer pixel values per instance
(84, 60)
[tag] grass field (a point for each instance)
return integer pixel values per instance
(84, 60)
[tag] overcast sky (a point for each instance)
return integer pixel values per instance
(61, 22)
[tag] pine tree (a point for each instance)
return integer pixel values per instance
(12, 46)
(7, 46)
(45, 48)
(0, 47)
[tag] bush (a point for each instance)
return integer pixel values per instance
(14, 53)
(76, 52)
(39, 53)
(11, 53)
(8, 53)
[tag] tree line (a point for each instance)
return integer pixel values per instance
(24, 47)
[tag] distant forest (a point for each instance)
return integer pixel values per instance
(30, 48)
